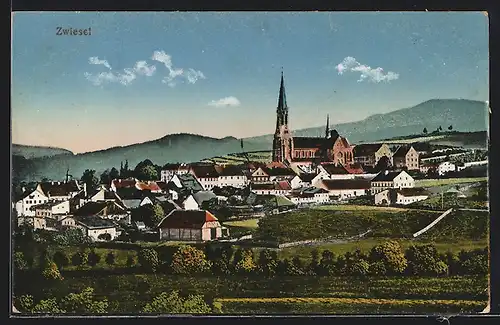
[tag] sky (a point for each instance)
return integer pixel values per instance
(139, 76)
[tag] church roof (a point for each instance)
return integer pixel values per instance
(366, 149)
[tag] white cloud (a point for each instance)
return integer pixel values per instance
(230, 101)
(367, 73)
(142, 68)
(190, 74)
(108, 77)
(95, 60)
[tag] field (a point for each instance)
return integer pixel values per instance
(239, 158)
(447, 181)
(128, 293)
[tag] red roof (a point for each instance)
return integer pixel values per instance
(124, 183)
(151, 186)
(191, 219)
(354, 169)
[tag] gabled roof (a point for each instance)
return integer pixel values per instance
(333, 169)
(413, 191)
(95, 208)
(346, 184)
(386, 176)
(232, 170)
(203, 196)
(309, 142)
(279, 171)
(402, 151)
(59, 188)
(190, 182)
(149, 186)
(308, 177)
(366, 149)
(131, 193)
(354, 169)
(278, 186)
(190, 219)
(94, 222)
(131, 203)
(28, 193)
(124, 183)
(205, 171)
(46, 205)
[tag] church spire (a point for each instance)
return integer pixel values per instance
(282, 97)
(327, 130)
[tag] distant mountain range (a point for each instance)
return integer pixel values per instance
(33, 163)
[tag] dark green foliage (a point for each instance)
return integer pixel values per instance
(19, 261)
(327, 265)
(131, 261)
(148, 258)
(90, 179)
(110, 258)
(61, 258)
(80, 258)
(425, 260)
(268, 262)
(93, 258)
(391, 254)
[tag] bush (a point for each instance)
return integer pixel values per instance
(132, 261)
(189, 260)
(268, 262)
(80, 258)
(327, 266)
(148, 258)
(475, 265)
(391, 254)
(61, 259)
(244, 261)
(377, 268)
(360, 267)
(51, 272)
(93, 258)
(110, 259)
(19, 261)
(425, 260)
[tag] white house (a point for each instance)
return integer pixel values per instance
(333, 171)
(386, 179)
(96, 228)
(311, 195)
(207, 175)
(52, 209)
(61, 191)
(345, 188)
(67, 222)
(446, 167)
(170, 170)
(190, 203)
(402, 196)
(28, 200)
(302, 180)
(232, 176)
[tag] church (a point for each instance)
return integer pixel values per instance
(307, 151)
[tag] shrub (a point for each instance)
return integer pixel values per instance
(189, 260)
(61, 259)
(327, 265)
(19, 261)
(425, 260)
(360, 267)
(245, 263)
(148, 258)
(80, 258)
(174, 304)
(268, 262)
(51, 272)
(131, 261)
(391, 254)
(377, 268)
(93, 258)
(110, 258)
(475, 265)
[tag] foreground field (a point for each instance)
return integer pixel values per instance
(129, 293)
(448, 181)
(347, 306)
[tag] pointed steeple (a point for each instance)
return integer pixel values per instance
(327, 130)
(282, 96)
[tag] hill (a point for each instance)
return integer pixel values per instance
(171, 148)
(465, 116)
(30, 152)
(476, 140)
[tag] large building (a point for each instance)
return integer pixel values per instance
(307, 150)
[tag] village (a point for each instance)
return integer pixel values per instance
(191, 202)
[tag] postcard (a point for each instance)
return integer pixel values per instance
(250, 163)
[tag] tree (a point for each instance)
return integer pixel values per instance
(93, 258)
(425, 131)
(450, 127)
(157, 215)
(84, 302)
(148, 258)
(51, 272)
(61, 259)
(360, 267)
(114, 173)
(268, 262)
(424, 260)
(90, 179)
(440, 128)
(110, 258)
(327, 264)
(19, 261)
(105, 178)
(189, 260)
(147, 173)
(172, 303)
(314, 265)
(131, 261)
(246, 263)
(80, 258)
(391, 254)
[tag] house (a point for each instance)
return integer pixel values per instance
(67, 222)
(272, 203)
(270, 173)
(203, 196)
(206, 174)
(355, 169)
(187, 182)
(446, 167)
(391, 179)
(404, 196)
(272, 188)
(52, 209)
(140, 226)
(345, 188)
(302, 180)
(310, 195)
(98, 194)
(123, 184)
(190, 203)
(149, 186)
(426, 168)
(406, 157)
(153, 199)
(191, 225)
(370, 153)
(105, 210)
(61, 191)
(169, 170)
(29, 199)
(232, 175)
(334, 171)
(96, 228)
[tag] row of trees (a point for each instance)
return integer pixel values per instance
(85, 302)
(439, 129)
(383, 259)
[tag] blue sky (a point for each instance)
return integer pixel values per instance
(140, 76)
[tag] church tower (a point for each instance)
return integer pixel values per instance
(282, 139)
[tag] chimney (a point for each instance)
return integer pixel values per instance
(51, 183)
(386, 172)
